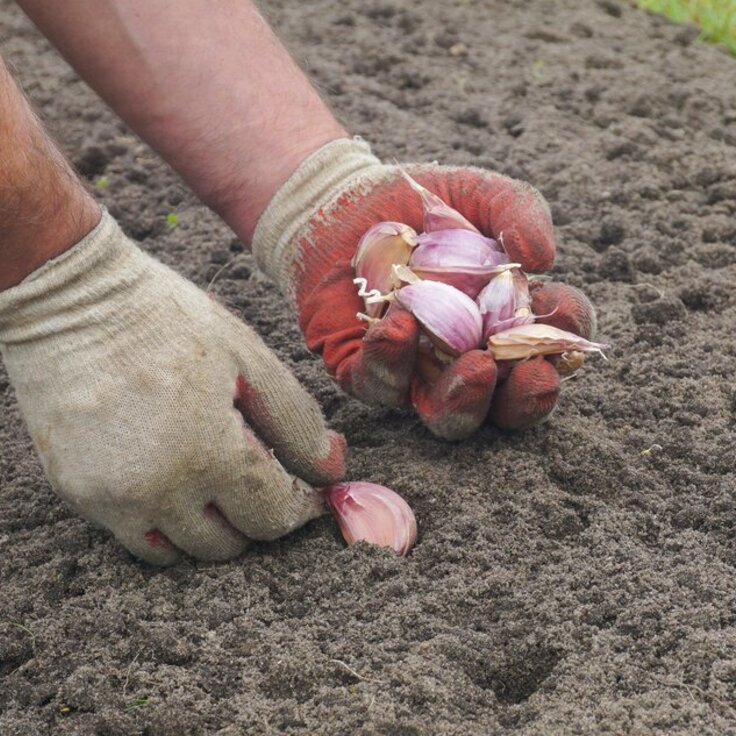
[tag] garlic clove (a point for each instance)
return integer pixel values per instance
(460, 258)
(403, 275)
(437, 214)
(382, 246)
(457, 248)
(526, 341)
(469, 279)
(450, 318)
(504, 303)
(371, 513)
(497, 302)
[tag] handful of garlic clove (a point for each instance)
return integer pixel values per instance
(461, 287)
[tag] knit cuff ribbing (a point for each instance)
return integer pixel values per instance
(316, 181)
(61, 285)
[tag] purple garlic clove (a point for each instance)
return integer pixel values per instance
(499, 303)
(450, 318)
(371, 513)
(437, 214)
(463, 259)
(383, 245)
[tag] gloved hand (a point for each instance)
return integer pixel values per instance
(155, 412)
(305, 241)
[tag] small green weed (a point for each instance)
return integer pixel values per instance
(135, 703)
(716, 18)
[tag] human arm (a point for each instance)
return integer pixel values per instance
(207, 85)
(155, 412)
(165, 67)
(44, 208)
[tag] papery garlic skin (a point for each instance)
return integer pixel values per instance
(438, 215)
(520, 343)
(372, 513)
(383, 245)
(450, 318)
(568, 363)
(522, 296)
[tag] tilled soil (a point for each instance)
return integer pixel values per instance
(573, 579)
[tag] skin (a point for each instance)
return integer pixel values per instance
(234, 159)
(232, 143)
(44, 209)
(233, 113)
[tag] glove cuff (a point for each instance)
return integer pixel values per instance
(318, 179)
(53, 298)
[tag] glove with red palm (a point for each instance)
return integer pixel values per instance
(306, 240)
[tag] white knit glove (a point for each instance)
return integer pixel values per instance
(146, 401)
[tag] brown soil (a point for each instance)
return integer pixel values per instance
(574, 579)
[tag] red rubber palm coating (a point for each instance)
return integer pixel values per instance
(568, 308)
(527, 396)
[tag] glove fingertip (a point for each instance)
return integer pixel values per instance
(379, 372)
(527, 396)
(457, 403)
(328, 468)
(151, 546)
(521, 218)
(564, 307)
(396, 330)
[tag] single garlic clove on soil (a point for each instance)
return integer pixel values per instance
(371, 513)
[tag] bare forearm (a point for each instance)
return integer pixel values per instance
(44, 209)
(206, 83)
